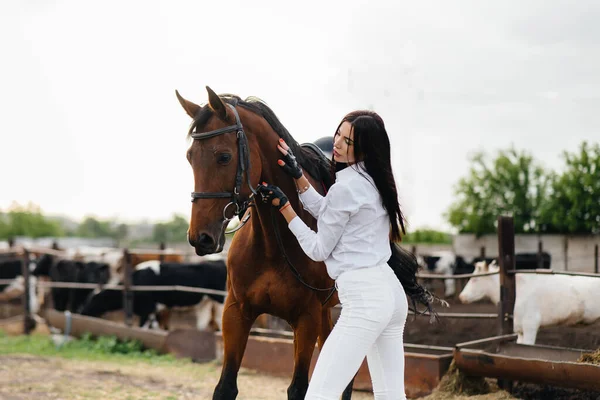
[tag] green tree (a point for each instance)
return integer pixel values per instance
(513, 183)
(3, 226)
(173, 231)
(91, 227)
(573, 205)
(27, 221)
(120, 233)
(427, 236)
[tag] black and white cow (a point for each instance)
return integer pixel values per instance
(61, 270)
(11, 268)
(207, 274)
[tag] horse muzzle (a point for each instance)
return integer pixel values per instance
(205, 243)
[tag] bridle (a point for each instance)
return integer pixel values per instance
(241, 207)
(243, 167)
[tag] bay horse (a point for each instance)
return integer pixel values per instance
(232, 151)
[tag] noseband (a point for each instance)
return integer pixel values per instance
(243, 167)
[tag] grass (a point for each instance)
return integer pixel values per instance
(106, 348)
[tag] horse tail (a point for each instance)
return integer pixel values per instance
(405, 267)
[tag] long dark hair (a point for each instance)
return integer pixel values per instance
(372, 146)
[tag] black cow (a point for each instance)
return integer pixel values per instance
(208, 274)
(10, 269)
(70, 271)
(522, 261)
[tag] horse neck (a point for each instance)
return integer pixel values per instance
(271, 173)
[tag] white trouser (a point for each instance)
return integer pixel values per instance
(374, 311)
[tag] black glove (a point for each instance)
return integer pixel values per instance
(273, 194)
(290, 165)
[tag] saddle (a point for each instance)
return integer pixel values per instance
(316, 149)
(319, 153)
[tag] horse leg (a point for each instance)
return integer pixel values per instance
(236, 328)
(306, 330)
(326, 327)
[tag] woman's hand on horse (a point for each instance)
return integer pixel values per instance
(273, 194)
(289, 163)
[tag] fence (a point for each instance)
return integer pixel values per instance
(506, 261)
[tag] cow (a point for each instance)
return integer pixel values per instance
(440, 262)
(12, 269)
(541, 299)
(207, 274)
(71, 271)
(114, 257)
(447, 263)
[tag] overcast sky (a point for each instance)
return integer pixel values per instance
(90, 123)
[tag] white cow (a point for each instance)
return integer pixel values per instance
(541, 300)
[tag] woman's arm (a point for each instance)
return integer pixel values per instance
(339, 206)
(310, 198)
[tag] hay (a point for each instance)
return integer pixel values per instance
(456, 382)
(590, 358)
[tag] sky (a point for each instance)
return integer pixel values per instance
(90, 124)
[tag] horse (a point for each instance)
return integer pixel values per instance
(234, 147)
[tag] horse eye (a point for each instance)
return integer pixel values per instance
(224, 158)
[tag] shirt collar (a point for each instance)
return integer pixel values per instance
(350, 171)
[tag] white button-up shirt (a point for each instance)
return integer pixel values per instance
(353, 227)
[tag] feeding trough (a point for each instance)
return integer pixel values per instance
(425, 365)
(501, 357)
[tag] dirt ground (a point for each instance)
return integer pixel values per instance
(34, 377)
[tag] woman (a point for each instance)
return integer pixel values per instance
(357, 220)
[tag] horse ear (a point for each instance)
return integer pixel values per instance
(190, 108)
(216, 104)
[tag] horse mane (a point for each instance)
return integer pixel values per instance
(317, 166)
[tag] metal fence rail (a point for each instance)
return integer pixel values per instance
(139, 288)
(543, 271)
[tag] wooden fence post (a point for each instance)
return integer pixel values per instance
(162, 248)
(28, 321)
(540, 259)
(506, 259)
(482, 252)
(127, 293)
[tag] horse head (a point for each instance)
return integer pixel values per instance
(232, 152)
(226, 164)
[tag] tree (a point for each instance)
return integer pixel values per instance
(27, 221)
(427, 236)
(513, 184)
(120, 233)
(91, 227)
(173, 231)
(573, 205)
